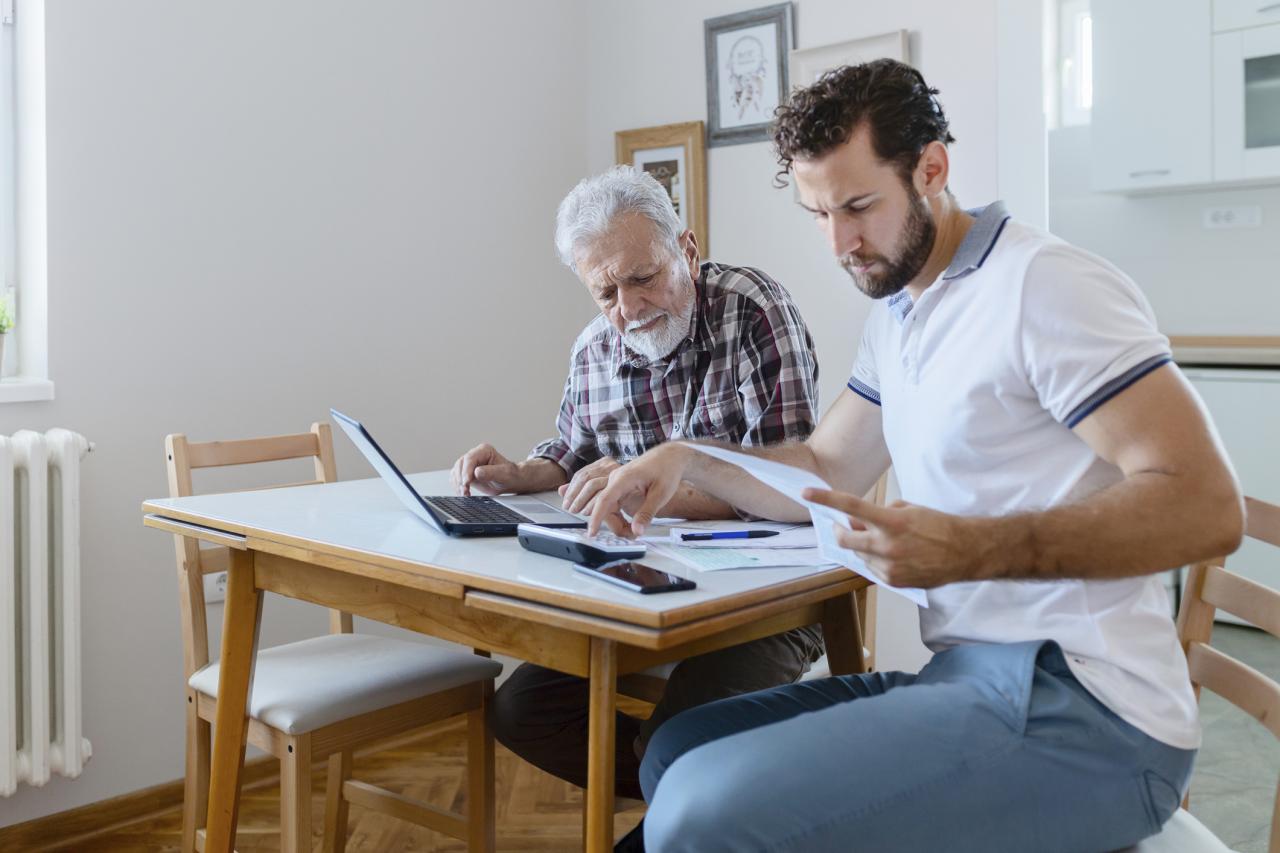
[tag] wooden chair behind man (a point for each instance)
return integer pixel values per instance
(1209, 588)
(324, 697)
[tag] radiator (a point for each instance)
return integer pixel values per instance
(40, 695)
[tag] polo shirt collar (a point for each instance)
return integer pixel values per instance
(979, 241)
(970, 255)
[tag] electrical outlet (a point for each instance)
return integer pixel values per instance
(215, 587)
(1243, 216)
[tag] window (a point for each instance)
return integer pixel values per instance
(23, 226)
(8, 198)
(1071, 100)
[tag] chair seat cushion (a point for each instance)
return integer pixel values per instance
(303, 686)
(1181, 834)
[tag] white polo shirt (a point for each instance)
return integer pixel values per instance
(981, 381)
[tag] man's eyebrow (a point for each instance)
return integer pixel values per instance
(849, 202)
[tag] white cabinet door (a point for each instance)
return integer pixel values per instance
(1236, 14)
(1245, 405)
(1246, 103)
(1152, 113)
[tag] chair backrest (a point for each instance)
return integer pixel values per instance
(1209, 588)
(195, 561)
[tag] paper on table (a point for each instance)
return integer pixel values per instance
(791, 482)
(718, 559)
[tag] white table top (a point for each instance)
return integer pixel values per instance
(364, 516)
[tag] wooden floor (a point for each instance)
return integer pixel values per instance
(536, 812)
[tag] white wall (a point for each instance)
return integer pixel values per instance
(275, 208)
(259, 210)
(647, 69)
(1200, 282)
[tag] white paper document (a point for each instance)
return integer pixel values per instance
(791, 482)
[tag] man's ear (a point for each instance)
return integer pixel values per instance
(689, 241)
(932, 170)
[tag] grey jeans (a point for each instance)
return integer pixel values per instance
(541, 714)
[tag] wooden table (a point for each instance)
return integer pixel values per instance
(352, 546)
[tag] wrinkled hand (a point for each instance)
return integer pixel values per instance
(908, 545)
(483, 469)
(580, 493)
(641, 487)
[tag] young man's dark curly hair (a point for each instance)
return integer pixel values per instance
(892, 99)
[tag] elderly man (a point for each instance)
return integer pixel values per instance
(1052, 460)
(680, 349)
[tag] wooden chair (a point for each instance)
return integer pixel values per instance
(324, 697)
(1210, 587)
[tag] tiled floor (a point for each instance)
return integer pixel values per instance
(1233, 787)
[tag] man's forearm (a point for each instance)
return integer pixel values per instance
(540, 474)
(1147, 523)
(729, 484)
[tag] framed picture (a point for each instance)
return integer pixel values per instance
(811, 63)
(746, 72)
(675, 155)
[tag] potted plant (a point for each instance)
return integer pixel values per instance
(6, 323)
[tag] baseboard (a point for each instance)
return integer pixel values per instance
(79, 825)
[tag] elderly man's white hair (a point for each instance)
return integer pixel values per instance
(589, 209)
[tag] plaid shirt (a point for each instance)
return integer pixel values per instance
(747, 373)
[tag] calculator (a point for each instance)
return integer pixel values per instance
(577, 546)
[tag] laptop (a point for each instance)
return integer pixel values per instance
(455, 514)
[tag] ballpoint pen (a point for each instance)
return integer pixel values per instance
(727, 534)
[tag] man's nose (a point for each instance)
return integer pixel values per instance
(845, 235)
(631, 304)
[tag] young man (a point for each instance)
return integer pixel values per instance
(680, 348)
(1051, 460)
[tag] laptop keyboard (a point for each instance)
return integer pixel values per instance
(477, 510)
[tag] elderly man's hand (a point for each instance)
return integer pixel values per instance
(580, 493)
(909, 545)
(483, 469)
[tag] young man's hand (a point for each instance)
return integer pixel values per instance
(641, 487)
(908, 545)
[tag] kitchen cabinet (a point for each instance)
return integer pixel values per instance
(1152, 108)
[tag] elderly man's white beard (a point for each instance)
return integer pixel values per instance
(659, 342)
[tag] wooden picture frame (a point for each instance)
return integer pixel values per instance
(807, 65)
(746, 55)
(676, 156)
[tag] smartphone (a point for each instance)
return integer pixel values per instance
(636, 577)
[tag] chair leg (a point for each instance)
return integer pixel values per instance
(480, 778)
(336, 806)
(295, 795)
(195, 795)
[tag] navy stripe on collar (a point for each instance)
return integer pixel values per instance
(977, 244)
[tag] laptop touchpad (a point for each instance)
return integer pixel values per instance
(533, 508)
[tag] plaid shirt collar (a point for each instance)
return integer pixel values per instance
(699, 339)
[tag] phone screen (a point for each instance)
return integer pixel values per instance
(638, 576)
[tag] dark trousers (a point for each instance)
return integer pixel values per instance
(541, 714)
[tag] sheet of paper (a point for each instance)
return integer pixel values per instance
(719, 559)
(791, 482)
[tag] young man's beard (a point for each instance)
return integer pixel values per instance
(918, 234)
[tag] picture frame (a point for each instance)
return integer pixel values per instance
(806, 66)
(676, 156)
(747, 72)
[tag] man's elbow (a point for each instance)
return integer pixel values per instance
(1223, 518)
